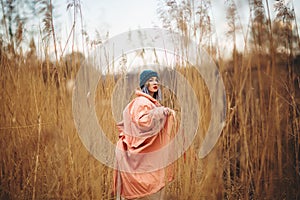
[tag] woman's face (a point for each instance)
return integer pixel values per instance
(153, 84)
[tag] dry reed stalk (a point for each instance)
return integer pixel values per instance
(245, 159)
(38, 145)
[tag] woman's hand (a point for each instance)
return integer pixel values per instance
(168, 111)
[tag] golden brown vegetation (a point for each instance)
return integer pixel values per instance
(257, 156)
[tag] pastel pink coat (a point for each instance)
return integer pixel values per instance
(143, 133)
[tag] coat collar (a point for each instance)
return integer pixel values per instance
(140, 93)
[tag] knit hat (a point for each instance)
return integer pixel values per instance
(146, 75)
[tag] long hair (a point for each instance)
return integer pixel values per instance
(156, 95)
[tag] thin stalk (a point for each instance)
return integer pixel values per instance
(4, 19)
(53, 30)
(296, 24)
(38, 146)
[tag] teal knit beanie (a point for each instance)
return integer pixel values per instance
(146, 75)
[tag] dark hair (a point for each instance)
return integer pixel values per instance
(156, 95)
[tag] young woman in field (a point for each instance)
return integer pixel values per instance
(145, 130)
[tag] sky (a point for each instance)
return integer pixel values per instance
(113, 16)
(118, 16)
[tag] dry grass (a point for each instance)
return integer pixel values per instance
(257, 156)
(43, 157)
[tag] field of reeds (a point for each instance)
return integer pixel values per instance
(256, 157)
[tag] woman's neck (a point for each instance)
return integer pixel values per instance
(151, 94)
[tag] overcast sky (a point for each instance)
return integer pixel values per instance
(118, 16)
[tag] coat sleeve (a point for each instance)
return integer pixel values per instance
(148, 119)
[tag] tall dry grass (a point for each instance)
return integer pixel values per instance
(43, 157)
(257, 156)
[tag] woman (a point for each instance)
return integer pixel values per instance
(145, 129)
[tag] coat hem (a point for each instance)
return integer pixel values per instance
(143, 195)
